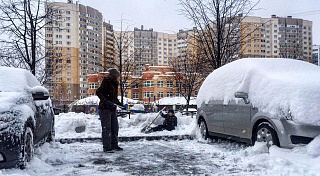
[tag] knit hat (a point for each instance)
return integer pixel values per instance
(171, 110)
(113, 72)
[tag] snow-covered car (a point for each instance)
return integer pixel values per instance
(26, 116)
(269, 100)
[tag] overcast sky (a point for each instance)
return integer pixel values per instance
(163, 15)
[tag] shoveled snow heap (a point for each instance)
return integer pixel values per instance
(275, 86)
(65, 125)
(94, 100)
(176, 100)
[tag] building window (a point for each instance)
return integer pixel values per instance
(135, 85)
(148, 84)
(169, 84)
(68, 43)
(68, 12)
(68, 73)
(160, 94)
(125, 94)
(160, 83)
(148, 94)
(68, 18)
(169, 94)
(135, 95)
(125, 84)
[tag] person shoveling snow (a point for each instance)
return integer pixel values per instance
(169, 123)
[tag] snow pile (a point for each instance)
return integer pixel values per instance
(313, 147)
(94, 100)
(137, 107)
(275, 86)
(65, 124)
(176, 100)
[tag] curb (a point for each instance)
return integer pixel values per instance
(126, 139)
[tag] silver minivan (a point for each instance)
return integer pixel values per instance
(238, 119)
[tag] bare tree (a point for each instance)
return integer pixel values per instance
(22, 25)
(190, 70)
(218, 26)
(124, 60)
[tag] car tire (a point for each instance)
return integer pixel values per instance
(27, 148)
(51, 134)
(265, 132)
(203, 129)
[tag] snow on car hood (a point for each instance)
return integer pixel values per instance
(275, 86)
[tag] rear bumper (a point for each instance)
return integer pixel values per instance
(295, 134)
(10, 150)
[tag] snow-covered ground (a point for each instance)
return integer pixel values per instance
(185, 157)
(180, 157)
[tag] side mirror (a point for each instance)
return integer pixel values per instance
(39, 93)
(242, 95)
(40, 96)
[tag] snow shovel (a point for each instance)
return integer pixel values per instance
(148, 126)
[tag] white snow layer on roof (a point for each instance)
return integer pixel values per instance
(16, 79)
(275, 86)
(176, 100)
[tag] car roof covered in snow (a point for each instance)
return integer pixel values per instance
(16, 79)
(274, 85)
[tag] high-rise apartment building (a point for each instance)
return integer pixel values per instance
(74, 49)
(109, 46)
(167, 48)
(316, 54)
(277, 37)
(145, 49)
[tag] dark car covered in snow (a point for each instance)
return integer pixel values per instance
(26, 116)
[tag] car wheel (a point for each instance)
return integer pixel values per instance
(51, 135)
(266, 133)
(203, 129)
(27, 149)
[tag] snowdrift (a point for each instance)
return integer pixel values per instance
(176, 100)
(275, 86)
(65, 125)
(94, 100)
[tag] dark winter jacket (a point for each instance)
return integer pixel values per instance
(169, 121)
(108, 94)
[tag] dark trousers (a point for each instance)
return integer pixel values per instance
(161, 128)
(110, 129)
